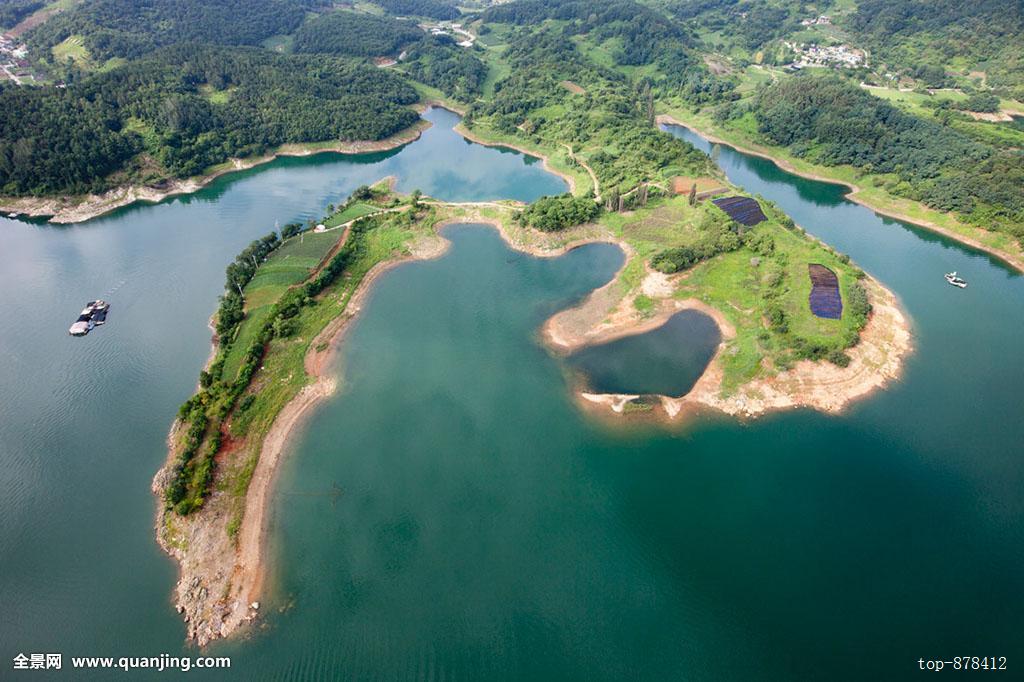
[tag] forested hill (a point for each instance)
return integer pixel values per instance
(355, 34)
(557, 97)
(186, 108)
(986, 34)
(435, 9)
(642, 33)
(832, 122)
(133, 28)
(13, 11)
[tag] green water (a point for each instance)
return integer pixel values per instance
(485, 528)
(666, 360)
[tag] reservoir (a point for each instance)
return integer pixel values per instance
(485, 528)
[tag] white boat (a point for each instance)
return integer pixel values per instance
(12, 215)
(956, 280)
(80, 328)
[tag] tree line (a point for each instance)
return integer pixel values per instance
(833, 122)
(187, 108)
(434, 9)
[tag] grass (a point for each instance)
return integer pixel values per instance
(279, 43)
(214, 96)
(288, 265)
(497, 69)
(73, 48)
(354, 211)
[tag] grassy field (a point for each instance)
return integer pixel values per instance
(354, 211)
(73, 48)
(288, 265)
(741, 284)
(216, 96)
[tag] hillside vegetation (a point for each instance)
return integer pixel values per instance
(831, 122)
(184, 109)
(133, 28)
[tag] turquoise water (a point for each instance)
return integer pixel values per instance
(666, 360)
(485, 529)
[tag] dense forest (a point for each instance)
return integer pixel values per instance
(830, 121)
(434, 9)
(353, 34)
(752, 23)
(916, 33)
(640, 32)
(133, 28)
(13, 11)
(438, 61)
(184, 109)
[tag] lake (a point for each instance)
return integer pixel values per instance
(485, 528)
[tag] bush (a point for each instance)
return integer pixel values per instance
(550, 214)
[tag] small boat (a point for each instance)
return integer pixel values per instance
(956, 280)
(12, 215)
(79, 329)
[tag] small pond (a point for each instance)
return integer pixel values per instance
(667, 360)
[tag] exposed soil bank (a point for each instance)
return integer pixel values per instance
(76, 209)
(877, 359)
(1014, 260)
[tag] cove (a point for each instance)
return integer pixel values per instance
(667, 360)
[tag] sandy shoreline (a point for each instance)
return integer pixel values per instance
(65, 210)
(1013, 260)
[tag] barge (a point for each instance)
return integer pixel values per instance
(94, 313)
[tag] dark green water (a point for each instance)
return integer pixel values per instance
(486, 529)
(667, 360)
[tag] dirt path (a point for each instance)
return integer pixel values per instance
(590, 171)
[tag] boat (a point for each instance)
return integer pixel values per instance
(12, 215)
(956, 280)
(94, 313)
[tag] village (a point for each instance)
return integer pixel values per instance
(447, 28)
(14, 62)
(826, 55)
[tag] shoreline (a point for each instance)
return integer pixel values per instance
(240, 568)
(244, 563)
(1014, 261)
(876, 360)
(66, 211)
(545, 158)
